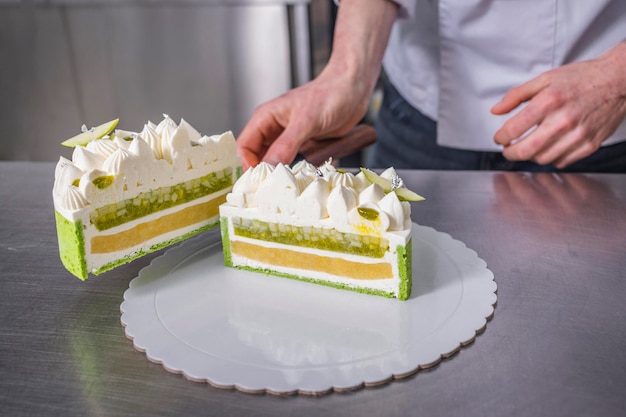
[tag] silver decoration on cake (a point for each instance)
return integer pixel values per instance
(396, 182)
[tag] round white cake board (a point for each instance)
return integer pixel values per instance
(261, 333)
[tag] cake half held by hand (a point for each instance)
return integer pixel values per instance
(128, 194)
(322, 225)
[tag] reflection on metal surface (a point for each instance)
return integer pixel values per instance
(559, 206)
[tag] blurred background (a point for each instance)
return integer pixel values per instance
(65, 63)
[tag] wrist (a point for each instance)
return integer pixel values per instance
(360, 39)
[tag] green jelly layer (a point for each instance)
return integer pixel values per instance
(71, 245)
(159, 199)
(311, 237)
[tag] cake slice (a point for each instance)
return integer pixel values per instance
(128, 194)
(321, 225)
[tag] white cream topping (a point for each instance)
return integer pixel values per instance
(192, 134)
(392, 206)
(322, 194)
(152, 138)
(65, 174)
(303, 180)
(261, 172)
(342, 178)
(341, 201)
(86, 160)
(121, 142)
(389, 173)
(93, 194)
(372, 193)
(244, 191)
(278, 193)
(73, 198)
(120, 163)
(311, 204)
(366, 222)
(102, 147)
(137, 162)
(304, 167)
(361, 182)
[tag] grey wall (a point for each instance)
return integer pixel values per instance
(65, 63)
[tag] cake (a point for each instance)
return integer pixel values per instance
(322, 225)
(127, 194)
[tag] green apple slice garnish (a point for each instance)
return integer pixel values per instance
(90, 135)
(403, 193)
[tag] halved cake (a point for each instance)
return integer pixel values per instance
(128, 194)
(321, 225)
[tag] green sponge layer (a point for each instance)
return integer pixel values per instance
(405, 269)
(71, 245)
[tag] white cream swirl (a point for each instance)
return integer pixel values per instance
(152, 138)
(278, 193)
(303, 180)
(371, 194)
(346, 179)
(369, 217)
(305, 167)
(340, 202)
(243, 193)
(103, 147)
(73, 199)
(116, 163)
(86, 160)
(261, 172)
(392, 206)
(66, 174)
(312, 203)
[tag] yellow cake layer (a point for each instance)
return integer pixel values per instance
(149, 230)
(312, 262)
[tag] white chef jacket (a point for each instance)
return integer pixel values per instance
(454, 59)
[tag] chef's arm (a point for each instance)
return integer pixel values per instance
(336, 100)
(360, 39)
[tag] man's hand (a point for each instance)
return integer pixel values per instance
(335, 101)
(327, 107)
(571, 110)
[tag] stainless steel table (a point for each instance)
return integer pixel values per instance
(555, 346)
